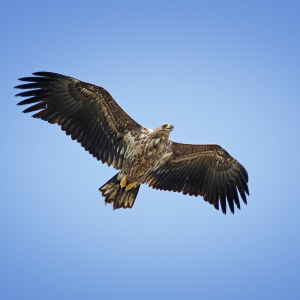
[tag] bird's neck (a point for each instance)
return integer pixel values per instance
(160, 134)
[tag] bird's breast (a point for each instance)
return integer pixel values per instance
(142, 156)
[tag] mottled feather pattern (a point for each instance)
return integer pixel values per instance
(144, 154)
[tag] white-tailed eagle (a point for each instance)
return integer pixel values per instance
(90, 115)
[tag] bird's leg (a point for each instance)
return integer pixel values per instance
(129, 186)
(123, 182)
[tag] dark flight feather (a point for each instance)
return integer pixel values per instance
(202, 170)
(86, 112)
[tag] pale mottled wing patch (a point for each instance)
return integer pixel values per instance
(205, 170)
(85, 111)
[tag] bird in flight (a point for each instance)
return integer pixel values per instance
(90, 115)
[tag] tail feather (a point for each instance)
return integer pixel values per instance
(116, 195)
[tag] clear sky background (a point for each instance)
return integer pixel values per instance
(224, 72)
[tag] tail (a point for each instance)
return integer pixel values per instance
(113, 193)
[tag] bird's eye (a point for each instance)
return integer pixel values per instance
(164, 126)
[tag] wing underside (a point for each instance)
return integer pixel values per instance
(84, 111)
(203, 170)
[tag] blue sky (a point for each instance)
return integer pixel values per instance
(224, 72)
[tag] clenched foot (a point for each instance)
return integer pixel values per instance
(123, 182)
(129, 186)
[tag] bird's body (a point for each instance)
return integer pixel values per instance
(145, 152)
(92, 117)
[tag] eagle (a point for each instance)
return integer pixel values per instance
(90, 115)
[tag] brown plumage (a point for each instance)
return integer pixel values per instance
(90, 115)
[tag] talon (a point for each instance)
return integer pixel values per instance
(129, 186)
(123, 182)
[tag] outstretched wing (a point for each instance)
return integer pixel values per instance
(205, 170)
(85, 111)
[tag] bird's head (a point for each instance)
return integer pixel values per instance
(164, 129)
